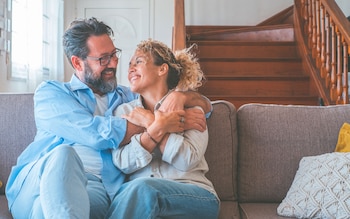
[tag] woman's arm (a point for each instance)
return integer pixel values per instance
(138, 152)
(185, 152)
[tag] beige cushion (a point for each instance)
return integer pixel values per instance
(321, 188)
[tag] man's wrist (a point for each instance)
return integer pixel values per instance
(194, 98)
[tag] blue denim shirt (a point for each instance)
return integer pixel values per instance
(64, 114)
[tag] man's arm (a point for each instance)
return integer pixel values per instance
(60, 113)
(194, 118)
(179, 100)
(131, 129)
(196, 99)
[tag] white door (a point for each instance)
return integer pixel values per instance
(130, 21)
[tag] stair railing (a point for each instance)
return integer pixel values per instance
(179, 30)
(326, 33)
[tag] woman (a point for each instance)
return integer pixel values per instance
(166, 171)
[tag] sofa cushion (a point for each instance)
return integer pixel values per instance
(15, 109)
(222, 147)
(229, 209)
(4, 212)
(321, 188)
(259, 211)
(273, 139)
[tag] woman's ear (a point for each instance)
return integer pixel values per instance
(164, 68)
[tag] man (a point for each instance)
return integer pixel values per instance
(67, 171)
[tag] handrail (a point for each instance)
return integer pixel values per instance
(326, 33)
(179, 30)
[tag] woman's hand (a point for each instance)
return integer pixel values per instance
(158, 132)
(168, 122)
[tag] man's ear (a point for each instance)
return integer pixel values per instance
(77, 63)
(164, 69)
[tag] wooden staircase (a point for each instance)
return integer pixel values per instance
(255, 64)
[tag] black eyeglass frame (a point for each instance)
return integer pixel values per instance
(105, 60)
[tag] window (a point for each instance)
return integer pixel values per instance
(34, 45)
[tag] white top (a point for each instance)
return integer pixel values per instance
(183, 158)
(90, 157)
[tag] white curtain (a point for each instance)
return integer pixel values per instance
(37, 52)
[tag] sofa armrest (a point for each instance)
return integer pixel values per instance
(222, 150)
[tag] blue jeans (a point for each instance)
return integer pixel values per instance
(149, 198)
(57, 187)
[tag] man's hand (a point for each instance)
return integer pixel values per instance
(177, 100)
(174, 101)
(195, 119)
(140, 117)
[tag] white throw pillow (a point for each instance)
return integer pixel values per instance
(320, 189)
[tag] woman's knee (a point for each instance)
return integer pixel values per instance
(144, 183)
(150, 186)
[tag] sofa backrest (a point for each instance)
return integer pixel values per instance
(17, 130)
(273, 138)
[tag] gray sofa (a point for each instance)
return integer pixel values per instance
(253, 152)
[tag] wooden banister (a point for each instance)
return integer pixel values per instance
(326, 37)
(179, 30)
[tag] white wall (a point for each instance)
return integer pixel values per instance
(345, 6)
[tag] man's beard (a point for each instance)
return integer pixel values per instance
(98, 84)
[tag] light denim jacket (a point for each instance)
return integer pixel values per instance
(64, 114)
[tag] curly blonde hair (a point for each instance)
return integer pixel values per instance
(184, 70)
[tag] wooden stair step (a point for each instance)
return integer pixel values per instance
(249, 64)
(283, 32)
(234, 49)
(202, 29)
(234, 75)
(257, 77)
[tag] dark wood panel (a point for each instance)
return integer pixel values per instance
(258, 88)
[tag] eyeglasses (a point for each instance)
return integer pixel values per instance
(105, 60)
